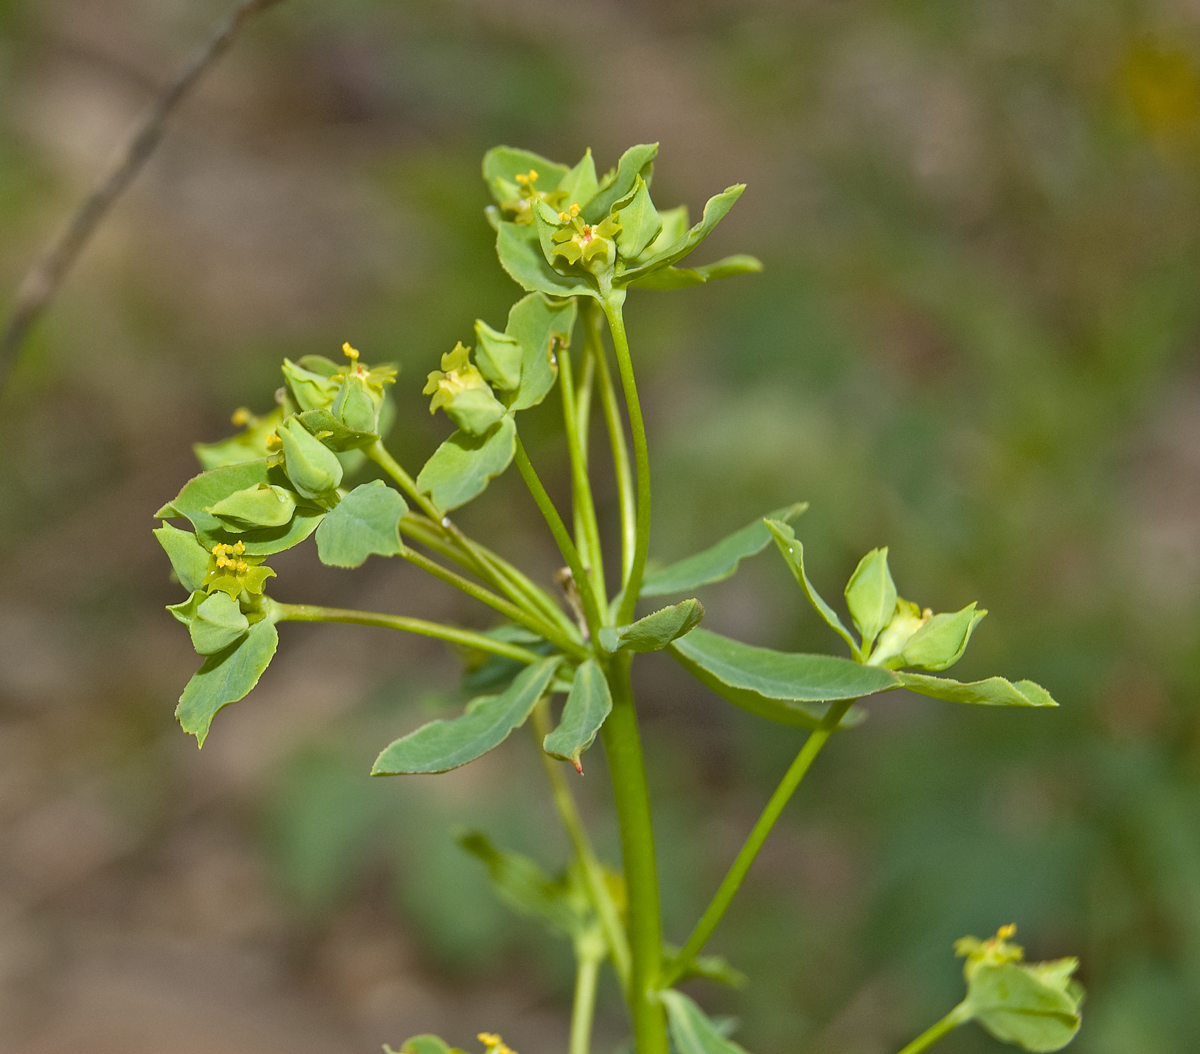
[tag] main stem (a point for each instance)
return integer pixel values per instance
(959, 1015)
(622, 744)
(733, 880)
(641, 455)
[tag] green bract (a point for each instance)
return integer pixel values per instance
(576, 241)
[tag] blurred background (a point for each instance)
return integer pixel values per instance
(975, 341)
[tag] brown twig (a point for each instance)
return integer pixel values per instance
(43, 279)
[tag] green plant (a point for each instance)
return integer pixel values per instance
(576, 243)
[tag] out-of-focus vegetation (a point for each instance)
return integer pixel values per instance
(975, 341)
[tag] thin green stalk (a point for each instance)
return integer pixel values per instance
(589, 951)
(733, 880)
(467, 638)
(587, 534)
(958, 1016)
(380, 455)
(507, 609)
(622, 745)
(593, 871)
(591, 609)
(616, 437)
(633, 583)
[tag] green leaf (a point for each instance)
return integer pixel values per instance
(425, 1044)
(208, 488)
(248, 445)
(538, 325)
(225, 678)
(941, 642)
(791, 712)
(656, 631)
(365, 522)
(217, 623)
(340, 438)
(440, 746)
(462, 466)
(714, 211)
(1016, 1006)
(793, 553)
(783, 675)
(715, 968)
(682, 277)
(691, 1030)
(588, 704)
(639, 219)
(255, 507)
(636, 161)
(189, 559)
(498, 357)
(505, 163)
(719, 561)
(871, 596)
(522, 258)
(994, 691)
(526, 888)
(311, 466)
(579, 185)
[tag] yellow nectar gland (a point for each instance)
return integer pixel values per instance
(525, 180)
(241, 417)
(224, 555)
(494, 1044)
(1006, 932)
(349, 352)
(273, 441)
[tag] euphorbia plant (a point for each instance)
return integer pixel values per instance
(576, 243)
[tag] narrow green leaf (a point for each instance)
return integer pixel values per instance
(636, 161)
(714, 211)
(588, 704)
(793, 553)
(217, 623)
(521, 257)
(462, 466)
(871, 596)
(994, 691)
(656, 631)
(539, 326)
(682, 277)
(189, 559)
(526, 888)
(783, 675)
(440, 746)
(719, 561)
(639, 219)
(365, 522)
(715, 968)
(791, 712)
(225, 678)
(691, 1030)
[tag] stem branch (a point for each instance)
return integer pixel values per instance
(958, 1016)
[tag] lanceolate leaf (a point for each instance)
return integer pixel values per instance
(225, 678)
(793, 553)
(636, 161)
(783, 711)
(714, 212)
(538, 324)
(588, 704)
(719, 561)
(444, 745)
(691, 1030)
(365, 522)
(682, 277)
(462, 466)
(995, 691)
(526, 888)
(783, 675)
(521, 256)
(656, 631)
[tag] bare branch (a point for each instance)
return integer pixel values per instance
(43, 279)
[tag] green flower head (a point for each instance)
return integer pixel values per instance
(459, 388)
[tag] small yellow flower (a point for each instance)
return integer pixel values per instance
(494, 1044)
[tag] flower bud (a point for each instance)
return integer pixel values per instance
(255, 507)
(310, 465)
(461, 390)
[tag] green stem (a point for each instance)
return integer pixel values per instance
(379, 454)
(589, 950)
(958, 1016)
(507, 609)
(616, 437)
(733, 880)
(622, 745)
(587, 535)
(467, 638)
(593, 872)
(633, 583)
(591, 610)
